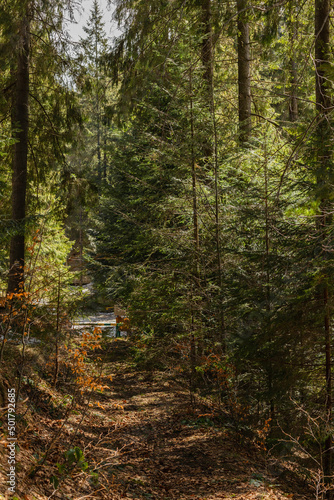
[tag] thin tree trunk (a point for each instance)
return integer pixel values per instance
(328, 442)
(207, 62)
(20, 159)
(6, 330)
(207, 46)
(55, 379)
(80, 247)
(268, 288)
(244, 77)
(208, 149)
(293, 76)
(21, 365)
(105, 155)
(98, 124)
(221, 328)
(194, 181)
(99, 167)
(293, 104)
(322, 55)
(196, 246)
(293, 101)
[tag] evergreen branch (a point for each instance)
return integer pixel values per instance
(56, 134)
(295, 149)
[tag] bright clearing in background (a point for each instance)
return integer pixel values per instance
(82, 15)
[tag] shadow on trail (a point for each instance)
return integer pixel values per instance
(156, 449)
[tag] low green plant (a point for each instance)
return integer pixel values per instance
(74, 457)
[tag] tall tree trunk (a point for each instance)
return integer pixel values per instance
(293, 104)
(105, 150)
(322, 56)
(99, 167)
(244, 78)
(210, 150)
(55, 378)
(207, 46)
(196, 270)
(20, 123)
(98, 117)
(207, 62)
(268, 287)
(293, 74)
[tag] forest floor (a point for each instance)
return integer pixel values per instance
(144, 440)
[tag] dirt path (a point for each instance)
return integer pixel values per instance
(145, 441)
(161, 452)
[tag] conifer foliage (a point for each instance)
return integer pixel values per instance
(215, 226)
(190, 161)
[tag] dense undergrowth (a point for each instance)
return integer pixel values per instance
(66, 427)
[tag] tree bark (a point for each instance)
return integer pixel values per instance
(244, 78)
(20, 123)
(321, 54)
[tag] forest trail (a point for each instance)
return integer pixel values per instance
(146, 441)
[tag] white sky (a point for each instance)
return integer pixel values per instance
(76, 30)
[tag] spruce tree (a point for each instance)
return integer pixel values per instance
(94, 79)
